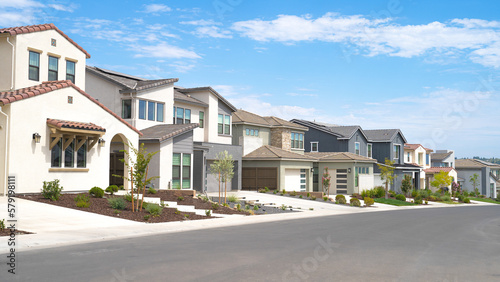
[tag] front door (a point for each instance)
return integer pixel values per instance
(116, 167)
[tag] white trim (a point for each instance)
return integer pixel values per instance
(317, 146)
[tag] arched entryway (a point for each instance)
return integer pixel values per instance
(116, 167)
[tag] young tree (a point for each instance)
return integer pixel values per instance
(223, 167)
(455, 188)
(441, 180)
(326, 179)
(387, 174)
(474, 180)
(406, 184)
(138, 165)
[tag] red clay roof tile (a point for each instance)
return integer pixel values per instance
(75, 125)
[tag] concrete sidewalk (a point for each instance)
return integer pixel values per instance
(56, 226)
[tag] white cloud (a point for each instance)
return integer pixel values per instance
(182, 67)
(15, 19)
(164, 50)
(20, 4)
(27, 12)
(63, 8)
(383, 37)
(201, 22)
(212, 31)
(156, 8)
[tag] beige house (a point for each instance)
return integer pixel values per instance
(419, 156)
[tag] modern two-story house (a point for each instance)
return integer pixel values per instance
(443, 158)
(418, 155)
(488, 176)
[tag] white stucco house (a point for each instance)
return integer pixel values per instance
(50, 128)
(419, 156)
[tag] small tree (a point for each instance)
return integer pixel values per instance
(406, 184)
(387, 174)
(441, 180)
(326, 179)
(455, 188)
(223, 167)
(475, 182)
(138, 165)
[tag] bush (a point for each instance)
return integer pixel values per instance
(467, 200)
(82, 201)
(466, 194)
(293, 193)
(127, 197)
(460, 198)
(215, 206)
(368, 201)
(96, 192)
(51, 190)
(238, 207)
(498, 197)
(121, 187)
(341, 201)
(414, 193)
(355, 202)
(180, 198)
(208, 213)
(117, 203)
(325, 198)
(392, 193)
(308, 195)
(275, 191)
(339, 197)
(232, 198)
(313, 198)
(112, 189)
(378, 192)
(152, 190)
(2, 224)
(266, 189)
(261, 190)
(401, 197)
(300, 196)
(446, 198)
(255, 207)
(154, 209)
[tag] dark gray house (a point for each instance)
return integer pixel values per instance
(334, 138)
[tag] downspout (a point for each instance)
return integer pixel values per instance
(6, 163)
(13, 53)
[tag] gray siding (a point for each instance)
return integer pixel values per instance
(198, 170)
(223, 109)
(358, 137)
(184, 143)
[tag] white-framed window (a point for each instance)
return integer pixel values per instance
(34, 66)
(252, 132)
(150, 110)
(369, 148)
(314, 146)
(224, 124)
(182, 115)
(70, 71)
(397, 151)
(181, 171)
(53, 68)
(127, 108)
(297, 140)
(356, 148)
(202, 119)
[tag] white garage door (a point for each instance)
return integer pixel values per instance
(295, 180)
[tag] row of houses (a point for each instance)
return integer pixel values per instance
(61, 119)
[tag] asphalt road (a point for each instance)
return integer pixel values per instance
(438, 244)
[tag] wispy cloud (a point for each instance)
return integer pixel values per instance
(479, 38)
(164, 50)
(208, 28)
(27, 12)
(182, 67)
(156, 8)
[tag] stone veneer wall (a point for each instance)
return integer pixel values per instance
(281, 138)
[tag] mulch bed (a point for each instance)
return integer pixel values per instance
(101, 206)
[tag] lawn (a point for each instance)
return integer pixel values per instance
(393, 202)
(487, 200)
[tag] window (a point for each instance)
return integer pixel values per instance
(369, 150)
(69, 155)
(176, 171)
(142, 109)
(81, 156)
(151, 110)
(70, 71)
(182, 115)
(34, 66)
(314, 146)
(56, 154)
(202, 119)
(427, 159)
(251, 132)
(186, 171)
(187, 116)
(247, 131)
(256, 132)
(227, 125)
(174, 115)
(420, 156)
(127, 108)
(302, 180)
(53, 68)
(408, 156)
(297, 141)
(397, 149)
(159, 112)
(220, 125)
(356, 148)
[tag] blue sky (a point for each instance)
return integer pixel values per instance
(430, 68)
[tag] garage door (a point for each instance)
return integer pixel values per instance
(295, 180)
(254, 178)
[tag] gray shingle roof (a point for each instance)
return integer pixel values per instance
(339, 156)
(186, 98)
(341, 132)
(440, 156)
(210, 89)
(163, 132)
(383, 135)
(474, 163)
(269, 152)
(129, 82)
(242, 116)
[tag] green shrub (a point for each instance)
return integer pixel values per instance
(300, 196)
(418, 200)
(275, 191)
(293, 193)
(146, 217)
(325, 198)
(96, 192)
(426, 202)
(208, 213)
(51, 190)
(82, 201)
(2, 224)
(255, 207)
(232, 198)
(466, 194)
(467, 200)
(311, 209)
(117, 203)
(341, 201)
(392, 193)
(339, 197)
(414, 193)
(180, 198)
(378, 192)
(225, 205)
(283, 207)
(238, 207)
(177, 211)
(446, 198)
(368, 201)
(266, 189)
(461, 198)
(215, 206)
(152, 190)
(284, 191)
(154, 209)
(247, 207)
(355, 202)
(261, 190)
(127, 197)
(313, 198)
(112, 189)
(401, 197)
(308, 195)
(121, 187)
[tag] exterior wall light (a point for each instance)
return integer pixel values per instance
(36, 137)
(102, 142)
(349, 170)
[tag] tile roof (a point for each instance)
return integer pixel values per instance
(166, 131)
(383, 135)
(74, 125)
(210, 89)
(186, 98)
(438, 169)
(339, 156)
(474, 163)
(242, 116)
(415, 146)
(440, 156)
(48, 86)
(41, 27)
(268, 152)
(129, 82)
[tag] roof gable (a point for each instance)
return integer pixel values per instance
(270, 152)
(211, 90)
(384, 135)
(41, 27)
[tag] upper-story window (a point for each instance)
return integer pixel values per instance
(420, 157)
(53, 68)
(202, 119)
(357, 148)
(70, 71)
(147, 109)
(314, 146)
(297, 140)
(427, 159)
(369, 150)
(224, 124)
(34, 66)
(227, 124)
(397, 150)
(408, 156)
(252, 132)
(182, 115)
